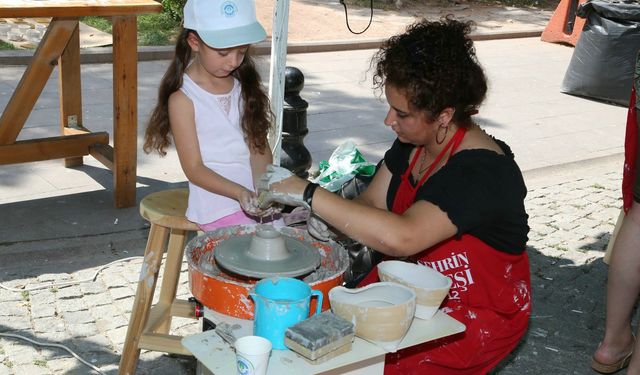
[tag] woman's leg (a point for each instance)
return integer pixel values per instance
(623, 287)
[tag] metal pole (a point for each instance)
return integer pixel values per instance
(277, 70)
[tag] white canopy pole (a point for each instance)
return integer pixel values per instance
(279, 33)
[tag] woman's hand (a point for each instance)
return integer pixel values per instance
(319, 229)
(278, 184)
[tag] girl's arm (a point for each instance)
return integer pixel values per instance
(183, 129)
(259, 161)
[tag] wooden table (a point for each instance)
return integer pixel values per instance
(364, 358)
(61, 46)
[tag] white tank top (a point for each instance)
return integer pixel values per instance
(223, 150)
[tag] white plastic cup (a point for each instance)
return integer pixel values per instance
(252, 355)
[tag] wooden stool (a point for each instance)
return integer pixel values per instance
(149, 326)
(614, 236)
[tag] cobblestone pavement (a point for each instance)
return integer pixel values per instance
(572, 213)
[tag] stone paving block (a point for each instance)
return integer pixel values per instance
(54, 335)
(54, 277)
(16, 323)
(112, 322)
(83, 329)
(69, 292)
(113, 280)
(117, 336)
(566, 224)
(105, 311)
(126, 304)
(62, 365)
(48, 324)
(69, 305)
(93, 301)
(93, 287)
(42, 297)
(170, 367)
(77, 317)
(31, 369)
(20, 352)
(122, 292)
(538, 229)
(542, 217)
(11, 308)
(7, 295)
(587, 230)
(97, 343)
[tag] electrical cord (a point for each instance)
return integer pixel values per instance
(94, 368)
(63, 283)
(346, 17)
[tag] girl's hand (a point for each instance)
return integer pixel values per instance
(249, 202)
(278, 184)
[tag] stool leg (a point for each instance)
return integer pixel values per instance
(171, 276)
(614, 236)
(144, 296)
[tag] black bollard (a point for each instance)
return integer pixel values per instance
(295, 156)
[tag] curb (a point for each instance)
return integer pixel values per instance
(103, 55)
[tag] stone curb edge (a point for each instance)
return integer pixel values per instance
(103, 55)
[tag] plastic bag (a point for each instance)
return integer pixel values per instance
(344, 164)
(602, 63)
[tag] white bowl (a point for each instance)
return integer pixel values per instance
(430, 286)
(381, 312)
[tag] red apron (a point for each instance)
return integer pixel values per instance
(490, 294)
(630, 153)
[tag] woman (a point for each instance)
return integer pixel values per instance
(447, 195)
(616, 351)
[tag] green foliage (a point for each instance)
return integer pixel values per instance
(173, 8)
(100, 23)
(157, 29)
(153, 29)
(6, 46)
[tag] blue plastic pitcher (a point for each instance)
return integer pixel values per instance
(280, 303)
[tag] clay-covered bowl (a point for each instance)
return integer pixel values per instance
(430, 286)
(268, 244)
(381, 312)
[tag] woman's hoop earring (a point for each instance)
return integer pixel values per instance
(446, 130)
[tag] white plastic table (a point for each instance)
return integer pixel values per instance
(364, 358)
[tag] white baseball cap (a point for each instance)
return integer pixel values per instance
(224, 23)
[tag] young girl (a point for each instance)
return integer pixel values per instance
(212, 102)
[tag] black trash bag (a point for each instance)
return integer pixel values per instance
(602, 63)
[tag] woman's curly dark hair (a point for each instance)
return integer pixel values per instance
(435, 63)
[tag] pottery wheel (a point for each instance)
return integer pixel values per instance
(233, 254)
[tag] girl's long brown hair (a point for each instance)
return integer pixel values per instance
(256, 118)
